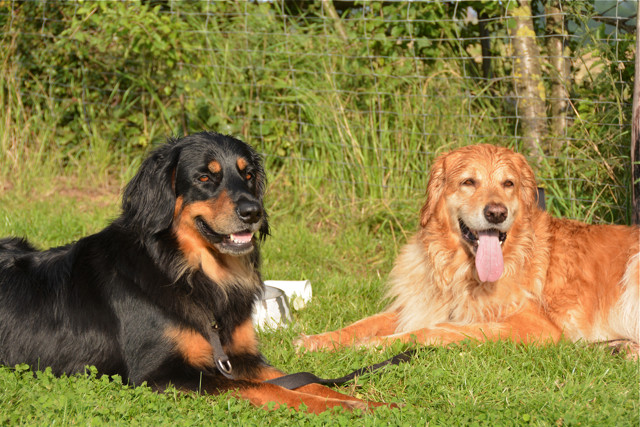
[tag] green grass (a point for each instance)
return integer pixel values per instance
(347, 262)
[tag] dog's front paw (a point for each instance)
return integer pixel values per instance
(312, 343)
(298, 343)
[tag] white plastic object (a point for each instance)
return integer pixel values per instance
(271, 311)
(299, 292)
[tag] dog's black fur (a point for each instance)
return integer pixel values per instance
(111, 299)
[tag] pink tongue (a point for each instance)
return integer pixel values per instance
(241, 237)
(489, 262)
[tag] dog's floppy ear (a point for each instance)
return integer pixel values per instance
(435, 189)
(148, 201)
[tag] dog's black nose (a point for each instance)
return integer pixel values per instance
(248, 211)
(495, 213)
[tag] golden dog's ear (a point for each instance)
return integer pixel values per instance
(528, 185)
(435, 189)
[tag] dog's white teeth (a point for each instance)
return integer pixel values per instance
(241, 237)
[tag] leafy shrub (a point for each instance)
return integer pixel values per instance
(360, 117)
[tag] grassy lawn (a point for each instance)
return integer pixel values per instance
(346, 260)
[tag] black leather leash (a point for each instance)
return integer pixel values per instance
(299, 379)
(219, 356)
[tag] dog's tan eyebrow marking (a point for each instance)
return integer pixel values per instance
(214, 166)
(242, 163)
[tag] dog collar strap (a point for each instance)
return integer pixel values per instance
(219, 356)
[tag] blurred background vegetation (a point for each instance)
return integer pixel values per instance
(348, 100)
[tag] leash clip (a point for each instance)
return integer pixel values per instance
(223, 364)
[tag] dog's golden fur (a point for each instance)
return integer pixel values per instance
(552, 278)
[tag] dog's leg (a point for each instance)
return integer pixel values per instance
(261, 394)
(624, 317)
(269, 372)
(381, 324)
(525, 326)
(323, 391)
(315, 397)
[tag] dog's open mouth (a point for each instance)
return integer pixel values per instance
(238, 243)
(487, 245)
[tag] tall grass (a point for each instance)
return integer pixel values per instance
(30, 147)
(356, 121)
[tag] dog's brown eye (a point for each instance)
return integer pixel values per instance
(468, 181)
(203, 178)
(249, 176)
(508, 183)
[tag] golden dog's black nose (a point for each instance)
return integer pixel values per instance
(248, 211)
(495, 213)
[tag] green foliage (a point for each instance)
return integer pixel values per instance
(110, 70)
(95, 84)
(597, 148)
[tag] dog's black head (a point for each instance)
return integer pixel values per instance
(206, 188)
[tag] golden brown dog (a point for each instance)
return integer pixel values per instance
(487, 263)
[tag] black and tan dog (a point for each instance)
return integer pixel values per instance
(165, 292)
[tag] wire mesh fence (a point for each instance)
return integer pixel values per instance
(350, 98)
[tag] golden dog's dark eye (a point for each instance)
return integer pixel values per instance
(468, 181)
(508, 183)
(203, 178)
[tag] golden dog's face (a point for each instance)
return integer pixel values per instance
(478, 192)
